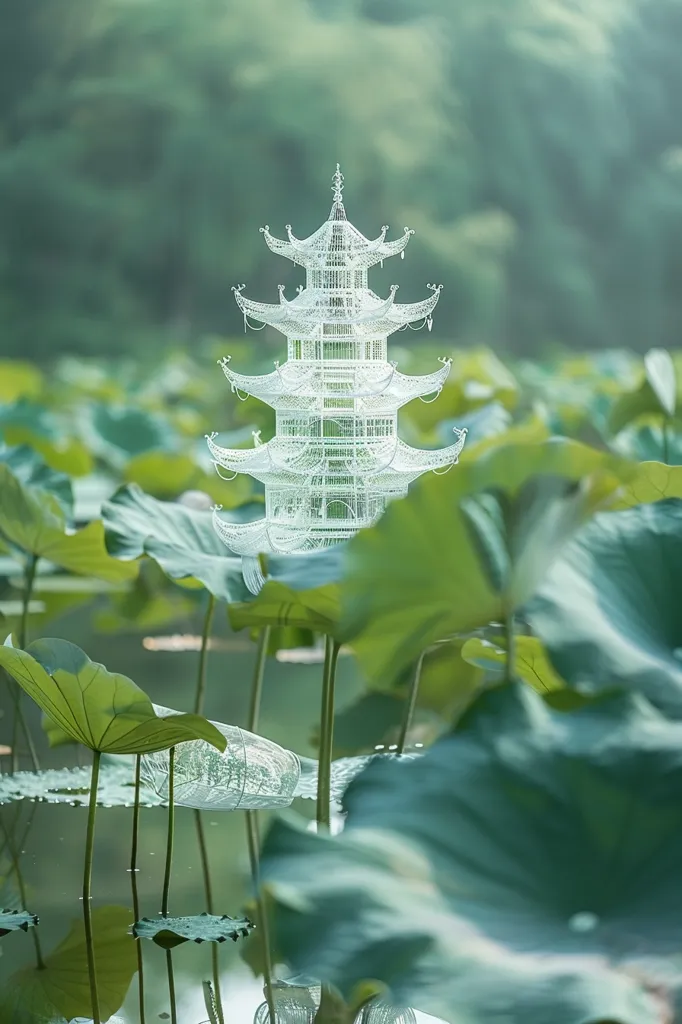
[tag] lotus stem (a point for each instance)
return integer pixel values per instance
(15, 690)
(87, 886)
(167, 878)
(251, 817)
(253, 837)
(411, 703)
(201, 675)
(258, 676)
(208, 892)
(331, 655)
(14, 857)
(133, 885)
(201, 839)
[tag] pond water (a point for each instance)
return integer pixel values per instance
(52, 855)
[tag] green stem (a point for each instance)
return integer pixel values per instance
(87, 886)
(201, 675)
(331, 654)
(411, 703)
(257, 681)
(14, 857)
(201, 839)
(171, 829)
(208, 893)
(15, 689)
(261, 910)
(251, 817)
(133, 885)
(167, 877)
(29, 578)
(171, 986)
(510, 663)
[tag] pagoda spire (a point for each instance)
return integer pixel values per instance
(335, 460)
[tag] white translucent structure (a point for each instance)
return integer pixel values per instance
(252, 773)
(336, 459)
(297, 1001)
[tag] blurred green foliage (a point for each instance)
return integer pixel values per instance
(535, 145)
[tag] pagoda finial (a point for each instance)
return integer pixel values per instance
(337, 187)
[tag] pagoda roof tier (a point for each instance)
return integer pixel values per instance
(368, 316)
(301, 386)
(337, 244)
(264, 537)
(385, 463)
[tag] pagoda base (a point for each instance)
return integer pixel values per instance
(264, 537)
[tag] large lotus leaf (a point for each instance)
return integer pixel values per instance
(300, 590)
(62, 989)
(100, 709)
(181, 540)
(653, 481)
(427, 570)
(33, 473)
(168, 474)
(16, 920)
(169, 932)
(525, 870)
(649, 440)
(28, 424)
(609, 611)
(530, 661)
(656, 394)
(19, 380)
(33, 520)
(116, 433)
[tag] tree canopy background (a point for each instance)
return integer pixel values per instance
(534, 145)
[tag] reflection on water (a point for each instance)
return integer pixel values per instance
(52, 850)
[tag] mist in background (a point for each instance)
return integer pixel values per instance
(534, 145)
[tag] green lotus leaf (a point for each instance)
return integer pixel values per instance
(181, 540)
(117, 433)
(649, 440)
(100, 709)
(34, 474)
(526, 869)
(530, 661)
(653, 481)
(169, 932)
(609, 610)
(62, 989)
(32, 520)
(429, 569)
(168, 474)
(300, 591)
(19, 380)
(15, 920)
(25, 423)
(656, 394)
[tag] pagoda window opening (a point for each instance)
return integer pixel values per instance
(379, 426)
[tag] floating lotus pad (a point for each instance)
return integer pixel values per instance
(72, 786)
(15, 920)
(169, 932)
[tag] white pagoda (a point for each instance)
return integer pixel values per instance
(335, 460)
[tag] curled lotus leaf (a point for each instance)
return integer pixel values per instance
(100, 709)
(169, 932)
(16, 920)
